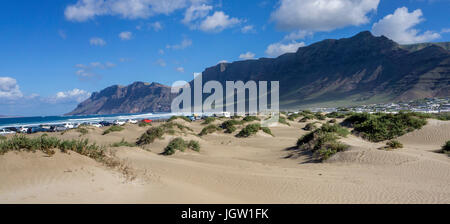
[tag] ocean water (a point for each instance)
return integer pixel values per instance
(55, 120)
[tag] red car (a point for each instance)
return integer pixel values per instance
(147, 121)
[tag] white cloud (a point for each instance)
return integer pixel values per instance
(180, 69)
(75, 95)
(126, 35)
(277, 49)
(223, 61)
(400, 27)
(156, 26)
(218, 22)
(87, 72)
(184, 44)
(248, 29)
(96, 41)
(161, 62)
(85, 10)
(445, 30)
(301, 34)
(196, 12)
(9, 89)
(246, 56)
(322, 15)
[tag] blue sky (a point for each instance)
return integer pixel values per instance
(54, 53)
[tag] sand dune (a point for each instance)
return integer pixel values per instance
(259, 169)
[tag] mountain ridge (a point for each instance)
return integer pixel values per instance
(348, 71)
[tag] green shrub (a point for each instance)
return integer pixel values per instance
(282, 120)
(144, 124)
(394, 144)
(181, 145)
(209, 120)
(150, 136)
(335, 115)
(332, 121)
(179, 117)
(172, 125)
(2, 137)
(446, 147)
(229, 126)
(310, 127)
(323, 141)
(249, 130)
(267, 130)
(251, 118)
(292, 117)
(113, 129)
(379, 127)
(209, 129)
(306, 117)
(194, 145)
(123, 143)
(320, 116)
(83, 131)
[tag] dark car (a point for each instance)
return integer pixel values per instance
(105, 123)
(37, 129)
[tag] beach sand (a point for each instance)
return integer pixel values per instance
(258, 169)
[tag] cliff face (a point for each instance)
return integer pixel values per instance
(138, 97)
(356, 70)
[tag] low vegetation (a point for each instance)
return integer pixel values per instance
(144, 124)
(151, 135)
(292, 117)
(154, 133)
(181, 145)
(229, 126)
(319, 116)
(82, 131)
(2, 137)
(335, 115)
(393, 144)
(123, 143)
(306, 118)
(251, 118)
(209, 130)
(179, 117)
(48, 144)
(310, 127)
(252, 129)
(380, 126)
(209, 120)
(283, 120)
(113, 129)
(446, 148)
(323, 142)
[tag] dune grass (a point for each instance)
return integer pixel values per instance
(393, 144)
(158, 132)
(173, 118)
(113, 129)
(251, 118)
(446, 148)
(209, 130)
(229, 126)
(180, 145)
(123, 143)
(209, 120)
(310, 127)
(323, 142)
(252, 129)
(380, 126)
(283, 120)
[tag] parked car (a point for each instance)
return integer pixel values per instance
(37, 129)
(59, 128)
(118, 122)
(132, 121)
(97, 125)
(69, 125)
(6, 132)
(23, 130)
(105, 123)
